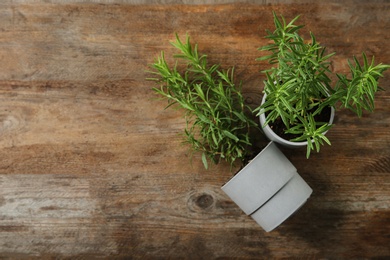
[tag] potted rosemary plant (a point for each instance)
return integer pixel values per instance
(220, 126)
(298, 103)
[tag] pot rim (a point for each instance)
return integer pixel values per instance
(251, 162)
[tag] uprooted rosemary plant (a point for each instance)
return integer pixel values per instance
(298, 87)
(218, 121)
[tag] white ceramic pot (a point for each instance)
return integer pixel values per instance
(268, 188)
(271, 135)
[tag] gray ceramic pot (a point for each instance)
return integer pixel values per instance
(269, 189)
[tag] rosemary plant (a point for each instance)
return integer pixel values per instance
(218, 121)
(298, 87)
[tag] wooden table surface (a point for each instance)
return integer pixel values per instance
(92, 166)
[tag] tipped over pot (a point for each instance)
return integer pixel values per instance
(269, 188)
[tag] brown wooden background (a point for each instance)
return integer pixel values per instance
(92, 166)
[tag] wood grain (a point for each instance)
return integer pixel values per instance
(93, 167)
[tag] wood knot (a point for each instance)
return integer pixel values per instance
(201, 201)
(204, 201)
(249, 100)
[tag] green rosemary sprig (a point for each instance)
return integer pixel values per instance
(217, 119)
(298, 86)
